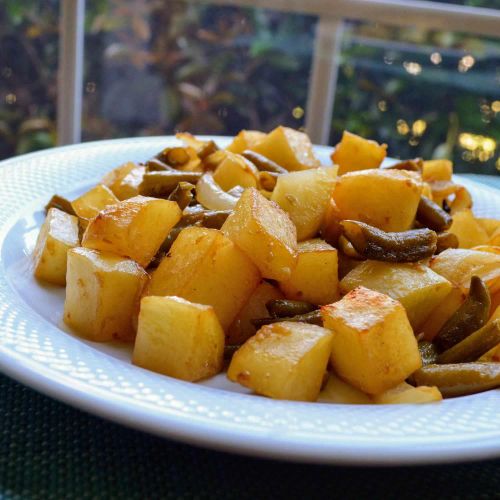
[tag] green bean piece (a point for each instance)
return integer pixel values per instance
(156, 165)
(182, 194)
(165, 247)
(468, 318)
(446, 240)
(431, 215)
(428, 352)
(346, 247)
(161, 184)
(313, 318)
(459, 379)
(282, 308)
(268, 180)
(60, 203)
(263, 163)
(373, 243)
(415, 165)
(474, 346)
(212, 219)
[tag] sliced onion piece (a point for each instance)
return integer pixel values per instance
(212, 196)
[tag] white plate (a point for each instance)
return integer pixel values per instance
(37, 350)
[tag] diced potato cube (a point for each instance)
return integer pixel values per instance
(235, 170)
(315, 277)
(416, 286)
(468, 230)
(437, 170)
(133, 228)
(387, 199)
(92, 202)
(283, 361)
(102, 293)
(125, 180)
(289, 148)
(246, 139)
(331, 229)
(305, 196)
(339, 392)
(178, 338)
(58, 234)
(206, 267)
(459, 265)
(242, 328)
(374, 348)
(356, 153)
(489, 225)
(407, 394)
(442, 312)
(265, 233)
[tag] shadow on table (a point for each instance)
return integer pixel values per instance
(49, 450)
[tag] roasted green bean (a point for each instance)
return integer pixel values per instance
(263, 163)
(459, 379)
(446, 240)
(373, 243)
(431, 215)
(161, 184)
(156, 165)
(314, 318)
(282, 308)
(474, 346)
(60, 203)
(212, 219)
(182, 194)
(468, 318)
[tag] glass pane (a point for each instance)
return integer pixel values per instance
(158, 67)
(28, 75)
(429, 94)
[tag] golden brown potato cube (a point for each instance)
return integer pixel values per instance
(374, 348)
(125, 180)
(58, 234)
(305, 196)
(339, 392)
(102, 292)
(387, 199)
(407, 394)
(315, 277)
(289, 148)
(489, 225)
(458, 266)
(133, 228)
(206, 267)
(92, 202)
(442, 313)
(235, 170)
(416, 286)
(437, 170)
(242, 328)
(178, 338)
(246, 139)
(468, 230)
(265, 233)
(283, 361)
(356, 153)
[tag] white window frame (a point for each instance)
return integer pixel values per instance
(323, 79)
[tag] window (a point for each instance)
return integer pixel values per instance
(156, 66)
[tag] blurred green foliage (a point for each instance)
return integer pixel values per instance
(157, 66)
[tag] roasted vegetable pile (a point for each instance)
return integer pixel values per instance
(343, 283)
